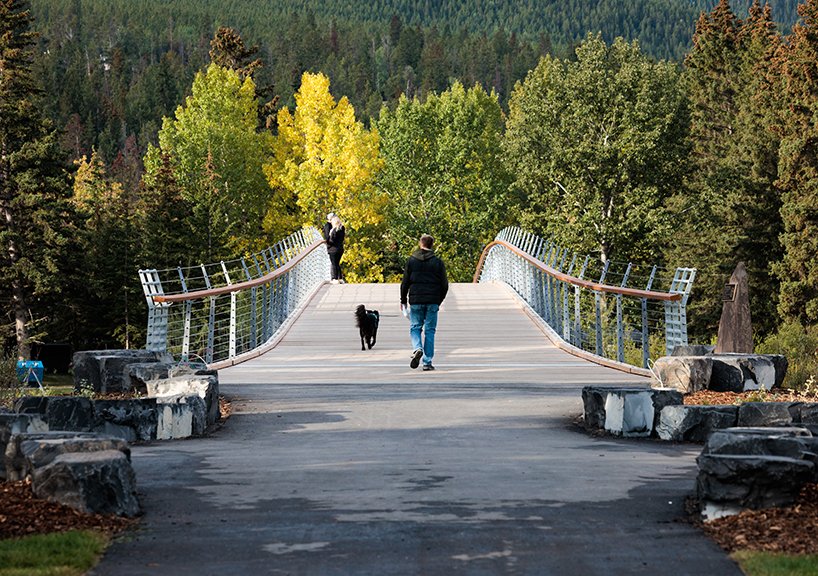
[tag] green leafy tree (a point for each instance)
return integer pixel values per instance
(35, 214)
(217, 156)
(324, 160)
(597, 145)
(798, 169)
(444, 175)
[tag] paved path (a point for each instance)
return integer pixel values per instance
(338, 461)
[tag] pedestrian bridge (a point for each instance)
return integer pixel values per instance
(532, 307)
(339, 461)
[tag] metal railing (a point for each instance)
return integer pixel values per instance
(610, 313)
(225, 312)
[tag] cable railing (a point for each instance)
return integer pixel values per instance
(225, 312)
(618, 314)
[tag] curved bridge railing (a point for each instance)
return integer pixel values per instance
(612, 314)
(227, 312)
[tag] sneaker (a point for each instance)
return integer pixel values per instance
(333, 281)
(416, 356)
(428, 367)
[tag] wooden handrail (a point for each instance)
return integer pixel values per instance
(633, 292)
(199, 294)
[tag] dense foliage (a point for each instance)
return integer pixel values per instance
(599, 143)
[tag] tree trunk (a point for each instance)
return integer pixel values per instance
(18, 295)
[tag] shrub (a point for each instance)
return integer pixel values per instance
(800, 345)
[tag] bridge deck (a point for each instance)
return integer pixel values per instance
(483, 337)
(338, 461)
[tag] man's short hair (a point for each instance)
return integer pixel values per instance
(426, 242)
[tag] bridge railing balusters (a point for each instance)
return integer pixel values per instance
(190, 314)
(619, 336)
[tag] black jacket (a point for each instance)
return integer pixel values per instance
(335, 240)
(327, 228)
(424, 280)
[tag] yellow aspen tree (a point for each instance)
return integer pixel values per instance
(326, 161)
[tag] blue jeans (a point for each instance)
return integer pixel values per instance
(423, 317)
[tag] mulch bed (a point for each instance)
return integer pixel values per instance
(710, 397)
(22, 514)
(790, 530)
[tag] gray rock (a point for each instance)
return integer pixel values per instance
(93, 482)
(742, 372)
(694, 423)
(137, 414)
(692, 350)
(14, 457)
(764, 414)
(686, 374)
(140, 373)
(31, 405)
(780, 364)
(664, 397)
(733, 441)
(69, 413)
(104, 370)
(36, 451)
(206, 386)
(626, 411)
(12, 424)
(751, 481)
(593, 401)
(808, 413)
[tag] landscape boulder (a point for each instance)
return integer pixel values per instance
(754, 467)
(204, 384)
(101, 482)
(131, 419)
(694, 423)
(687, 374)
(625, 411)
(31, 451)
(766, 414)
(106, 370)
(12, 424)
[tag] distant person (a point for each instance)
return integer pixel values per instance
(424, 287)
(335, 249)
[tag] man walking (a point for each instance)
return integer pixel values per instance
(424, 286)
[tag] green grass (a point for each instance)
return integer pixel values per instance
(769, 564)
(58, 554)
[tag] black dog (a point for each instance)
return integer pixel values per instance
(367, 322)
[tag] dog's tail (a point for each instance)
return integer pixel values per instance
(360, 314)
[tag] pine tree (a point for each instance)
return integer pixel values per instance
(798, 181)
(33, 183)
(726, 212)
(228, 50)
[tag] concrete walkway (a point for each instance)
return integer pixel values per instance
(338, 461)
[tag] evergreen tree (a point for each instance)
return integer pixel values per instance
(727, 212)
(110, 273)
(798, 270)
(33, 184)
(228, 50)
